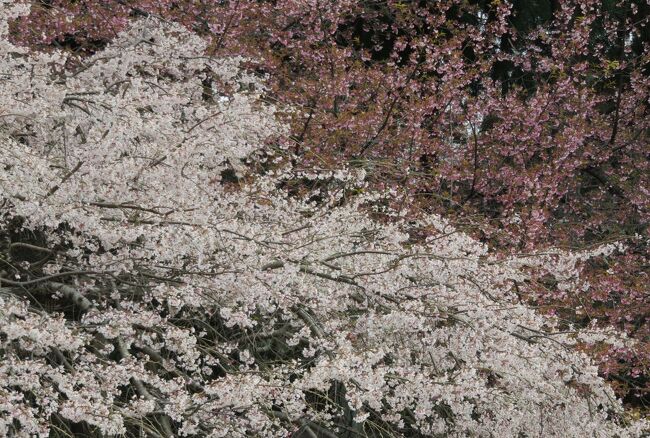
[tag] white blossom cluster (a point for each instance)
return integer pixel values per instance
(142, 296)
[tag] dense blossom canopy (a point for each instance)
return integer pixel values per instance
(523, 122)
(143, 292)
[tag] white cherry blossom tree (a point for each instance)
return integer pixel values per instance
(144, 295)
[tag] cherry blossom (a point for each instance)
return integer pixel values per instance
(153, 285)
